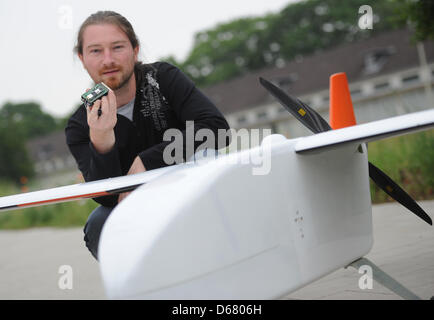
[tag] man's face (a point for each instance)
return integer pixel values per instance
(108, 55)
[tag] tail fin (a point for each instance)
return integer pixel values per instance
(341, 107)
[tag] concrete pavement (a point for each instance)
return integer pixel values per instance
(403, 248)
(30, 261)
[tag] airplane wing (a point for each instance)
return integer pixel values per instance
(93, 189)
(366, 132)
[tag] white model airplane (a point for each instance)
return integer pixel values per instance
(213, 230)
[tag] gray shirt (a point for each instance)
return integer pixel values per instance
(127, 109)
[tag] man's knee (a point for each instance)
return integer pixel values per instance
(92, 229)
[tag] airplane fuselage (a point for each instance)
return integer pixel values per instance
(217, 231)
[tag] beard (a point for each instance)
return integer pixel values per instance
(119, 79)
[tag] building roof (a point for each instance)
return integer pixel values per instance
(48, 146)
(386, 53)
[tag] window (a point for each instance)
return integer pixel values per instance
(410, 79)
(381, 86)
(241, 119)
(261, 115)
(355, 93)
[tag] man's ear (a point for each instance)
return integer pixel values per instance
(80, 56)
(136, 52)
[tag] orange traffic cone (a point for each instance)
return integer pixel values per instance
(341, 108)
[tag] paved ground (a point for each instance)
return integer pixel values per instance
(403, 247)
(30, 262)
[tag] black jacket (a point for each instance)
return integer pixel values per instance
(165, 98)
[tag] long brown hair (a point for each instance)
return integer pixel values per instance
(102, 17)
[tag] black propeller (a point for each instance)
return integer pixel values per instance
(313, 121)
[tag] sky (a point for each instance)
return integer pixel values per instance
(37, 38)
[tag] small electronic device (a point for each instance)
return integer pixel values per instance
(95, 93)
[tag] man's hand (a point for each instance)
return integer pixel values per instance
(101, 126)
(136, 167)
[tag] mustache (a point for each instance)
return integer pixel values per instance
(112, 68)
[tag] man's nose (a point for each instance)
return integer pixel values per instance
(108, 57)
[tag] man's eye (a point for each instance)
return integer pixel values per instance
(95, 51)
(118, 47)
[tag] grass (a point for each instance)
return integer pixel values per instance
(408, 160)
(62, 215)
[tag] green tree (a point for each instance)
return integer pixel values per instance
(28, 118)
(226, 51)
(236, 47)
(19, 123)
(305, 27)
(420, 15)
(14, 159)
